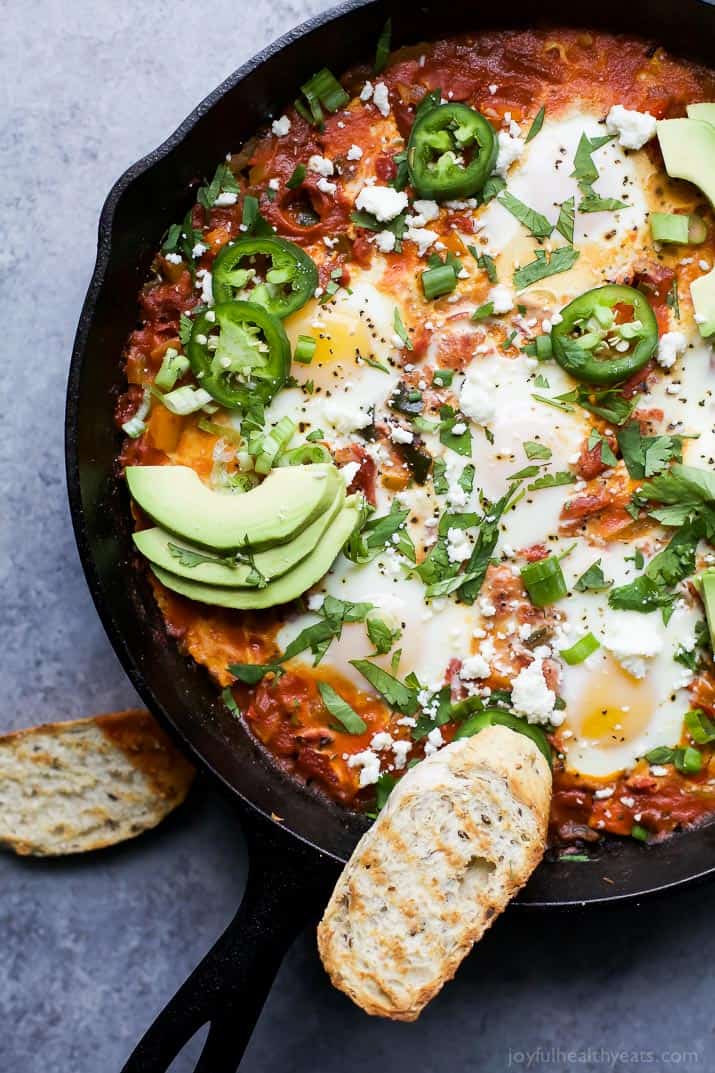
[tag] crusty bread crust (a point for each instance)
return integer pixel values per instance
(88, 783)
(459, 836)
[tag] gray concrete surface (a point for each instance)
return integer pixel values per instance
(91, 949)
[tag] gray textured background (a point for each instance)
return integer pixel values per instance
(91, 949)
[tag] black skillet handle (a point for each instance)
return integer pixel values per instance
(288, 882)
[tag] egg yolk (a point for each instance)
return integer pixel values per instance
(340, 335)
(614, 706)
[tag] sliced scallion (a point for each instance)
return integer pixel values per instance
(677, 227)
(184, 400)
(305, 455)
(305, 349)
(136, 425)
(437, 281)
(581, 650)
(544, 581)
(272, 443)
(173, 365)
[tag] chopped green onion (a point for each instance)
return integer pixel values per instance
(544, 581)
(305, 349)
(668, 227)
(443, 377)
(305, 455)
(677, 227)
(437, 281)
(323, 89)
(136, 425)
(226, 432)
(173, 366)
(316, 434)
(272, 443)
(640, 833)
(299, 172)
(699, 727)
(184, 400)
(543, 348)
(581, 650)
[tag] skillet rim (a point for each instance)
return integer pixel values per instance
(72, 462)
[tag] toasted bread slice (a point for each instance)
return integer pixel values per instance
(458, 837)
(85, 784)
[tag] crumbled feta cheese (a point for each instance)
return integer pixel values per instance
(321, 165)
(486, 607)
(281, 126)
(474, 667)
(477, 399)
(173, 258)
(633, 128)
(353, 153)
(199, 250)
(385, 241)
(603, 793)
(326, 187)
(423, 238)
(344, 414)
(349, 472)
(532, 698)
(670, 347)
(383, 202)
(492, 87)
(226, 198)
(428, 210)
(510, 149)
(203, 280)
(502, 298)
(658, 770)
(274, 184)
(366, 92)
(459, 547)
(381, 99)
(369, 762)
(315, 601)
(380, 741)
(634, 638)
(434, 741)
(459, 429)
(398, 434)
(401, 750)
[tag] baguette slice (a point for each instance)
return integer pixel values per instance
(458, 837)
(85, 784)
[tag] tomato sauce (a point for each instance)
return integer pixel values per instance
(496, 72)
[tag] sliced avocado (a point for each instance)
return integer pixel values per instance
(704, 111)
(702, 292)
(163, 550)
(706, 584)
(688, 147)
(273, 513)
(288, 587)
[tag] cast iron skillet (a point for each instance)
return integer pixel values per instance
(296, 839)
